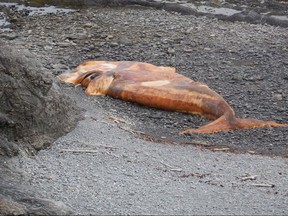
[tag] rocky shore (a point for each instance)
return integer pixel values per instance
(33, 115)
(246, 63)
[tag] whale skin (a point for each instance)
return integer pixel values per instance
(163, 88)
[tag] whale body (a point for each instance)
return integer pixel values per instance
(162, 88)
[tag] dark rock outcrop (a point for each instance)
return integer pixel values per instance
(33, 112)
(19, 199)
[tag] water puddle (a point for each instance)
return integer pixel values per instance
(4, 24)
(213, 10)
(37, 10)
(284, 18)
(202, 7)
(30, 11)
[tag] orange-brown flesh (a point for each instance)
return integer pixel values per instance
(163, 88)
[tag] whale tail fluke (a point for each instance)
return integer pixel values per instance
(223, 124)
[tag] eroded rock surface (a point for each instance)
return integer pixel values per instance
(16, 199)
(33, 114)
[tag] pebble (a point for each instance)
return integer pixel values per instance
(114, 44)
(157, 34)
(126, 42)
(171, 51)
(59, 66)
(109, 37)
(88, 25)
(47, 48)
(77, 36)
(277, 97)
(188, 31)
(237, 77)
(64, 44)
(187, 50)
(9, 36)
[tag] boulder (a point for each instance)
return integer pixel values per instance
(33, 112)
(19, 199)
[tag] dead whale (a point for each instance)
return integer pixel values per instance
(163, 88)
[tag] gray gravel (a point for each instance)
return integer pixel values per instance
(141, 165)
(121, 174)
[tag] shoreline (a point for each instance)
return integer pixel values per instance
(120, 172)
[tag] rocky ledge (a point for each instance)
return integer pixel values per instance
(33, 114)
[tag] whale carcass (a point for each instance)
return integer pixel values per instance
(163, 88)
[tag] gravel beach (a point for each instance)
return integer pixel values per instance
(128, 159)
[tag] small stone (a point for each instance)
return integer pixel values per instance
(88, 25)
(91, 47)
(187, 50)
(102, 36)
(114, 44)
(255, 78)
(237, 77)
(189, 30)
(48, 48)
(59, 66)
(14, 19)
(64, 44)
(80, 35)
(109, 37)
(9, 36)
(277, 97)
(157, 35)
(97, 54)
(171, 51)
(126, 42)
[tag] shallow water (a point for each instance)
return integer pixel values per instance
(285, 18)
(203, 7)
(214, 10)
(37, 10)
(31, 11)
(4, 23)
